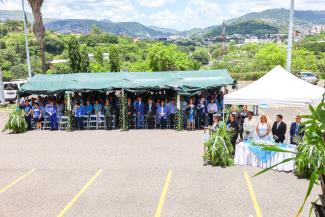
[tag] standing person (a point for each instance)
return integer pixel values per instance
(60, 107)
(232, 127)
(296, 130)
(163, 114)
(139, 107)
(249, 126)
(212, 109)
(88, 108)
(202, 113)
(150, 110)
(51, 110)
(263, 129)
(108, 115)
(98, 107)
(37, 114)
(216, 122)
(220, 100)
(78, 114)
(279, 129)
(191, 115)
(28, 114)
(172, 112)
(242, 117)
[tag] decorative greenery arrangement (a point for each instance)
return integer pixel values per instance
(179, 120)
(310, 156)
(68, 111)
(16, 122)
(123, 106)
(262, 143)
(219, 148)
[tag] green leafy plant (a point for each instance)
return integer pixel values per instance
(219, 148)
(68, 111)
(123, 106)
(16, 122)
(179, 120)
(310, 155)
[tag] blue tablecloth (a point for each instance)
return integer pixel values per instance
(263, 155)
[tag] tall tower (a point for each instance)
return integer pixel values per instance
(223, 37)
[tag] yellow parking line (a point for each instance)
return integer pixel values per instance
(83, 189)
(17, 180)
(163, 194)
(252, 194)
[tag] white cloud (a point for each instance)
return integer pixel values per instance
(154, 3)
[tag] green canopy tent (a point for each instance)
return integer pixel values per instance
(183, 82)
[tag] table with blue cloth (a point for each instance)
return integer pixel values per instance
(248, 154)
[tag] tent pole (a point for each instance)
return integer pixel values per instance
(123, 109)
(178, 101)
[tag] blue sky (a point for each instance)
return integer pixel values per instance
(178, 14)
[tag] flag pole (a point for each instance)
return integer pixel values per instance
(26, 41)
(290, 35)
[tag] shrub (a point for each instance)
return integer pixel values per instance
(16, 122)
(219, 148)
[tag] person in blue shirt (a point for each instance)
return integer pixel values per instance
(28, 114)
(139, 107)
(37, 114)
(78, 114)
(98, 107)
(163, 114)
(51, 111)
(88, 108)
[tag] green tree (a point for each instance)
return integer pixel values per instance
(99, 56)
(54, 45)
(270, 56)
(84, 61)
(168, 58)
(74, 55)
(201, 55)
(303, 60)
(114, 59)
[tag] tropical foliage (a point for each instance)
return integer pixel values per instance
(16, 122)
(219, 148)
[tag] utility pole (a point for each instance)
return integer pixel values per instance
(223, 37)
(290, 35)
(26, 42)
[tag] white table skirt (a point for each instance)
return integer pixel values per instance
(244, 156)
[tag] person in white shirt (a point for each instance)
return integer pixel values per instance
(212, 109)
(249, 126)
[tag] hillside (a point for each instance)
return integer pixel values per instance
(246, 27)
(83, 26)
(18, 15)
(280, 17)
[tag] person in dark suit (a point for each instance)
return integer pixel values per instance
(279, 129)
(202, 113)
(296, 130)
(139, 107)
(150, 111)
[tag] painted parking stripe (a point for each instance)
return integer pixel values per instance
(76, 197)
(163, 194)
(17, 181)
(252, 194)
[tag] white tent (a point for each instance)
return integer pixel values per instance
(277, 88)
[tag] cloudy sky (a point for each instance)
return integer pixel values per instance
(178, 14)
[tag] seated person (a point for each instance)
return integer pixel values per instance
(216, 122)
(263, 130)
